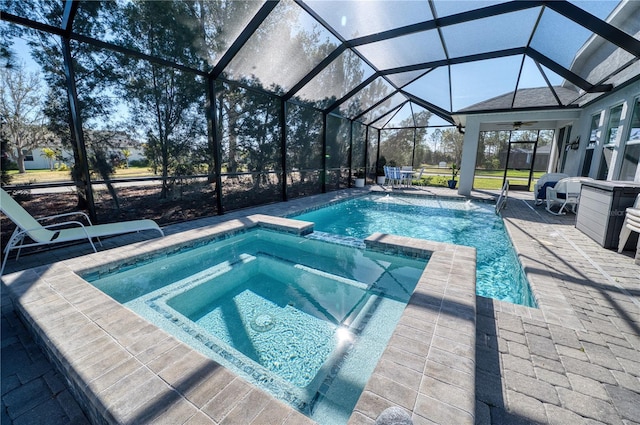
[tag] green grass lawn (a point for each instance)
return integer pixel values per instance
(523, 174)
(47, 176)
(487, 183)
(488, 180)
(479, 182)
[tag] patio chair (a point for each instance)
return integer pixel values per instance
(394, 175)
(566, 193)
(66, 231)
(406, 175)
(631, 224)
(546, 180)
(419, 178)
(388, 178)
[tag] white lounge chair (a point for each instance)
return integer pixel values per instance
(546, 180)
(631, 224)
(39, 234)
(566, 193)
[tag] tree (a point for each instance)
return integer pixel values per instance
(7, 56)
(21, 107)
(127, 154)
(304, 146)
(93, 70)
(165, 98)
(423, 153)
(50, 154)
(492, 149)
(6, 61)
(5, 177)
(450, 141)
(248, 123)
(404, 144)
(257, 135)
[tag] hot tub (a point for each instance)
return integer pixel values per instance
(298, 317)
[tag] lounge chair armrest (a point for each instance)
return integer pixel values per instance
(17, 238)
(53, 226)
(64, 223)
(633, 212)
(51, 217)
(19, 233)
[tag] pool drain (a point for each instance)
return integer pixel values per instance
(263, 322)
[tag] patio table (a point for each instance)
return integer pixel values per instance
(406, 176)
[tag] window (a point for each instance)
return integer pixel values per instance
(565, 145)
(614, 123)
(609, 142)
(594, 137)
(632, 147)
(28, 154)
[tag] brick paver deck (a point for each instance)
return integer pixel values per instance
(580, 363)
(574, 360)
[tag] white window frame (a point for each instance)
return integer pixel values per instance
(626, 141)
(607, 143)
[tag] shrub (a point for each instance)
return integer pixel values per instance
(11, 165)
(139, 163)
(436, 181)
(382, 162)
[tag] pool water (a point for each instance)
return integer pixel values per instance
(281, 313)
(295, 316)
(499, 273)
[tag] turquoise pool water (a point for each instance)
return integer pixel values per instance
(499, 273)
(304, 319)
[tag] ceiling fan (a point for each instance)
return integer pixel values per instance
(517, 124)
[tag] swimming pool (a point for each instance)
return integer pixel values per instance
(499, 273)
(290, 314)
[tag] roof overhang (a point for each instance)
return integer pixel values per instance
(536, 119)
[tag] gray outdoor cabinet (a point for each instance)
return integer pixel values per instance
(602, 209)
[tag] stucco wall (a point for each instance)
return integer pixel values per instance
(581, 127)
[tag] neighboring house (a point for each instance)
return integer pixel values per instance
(521, 157)
(36, 160)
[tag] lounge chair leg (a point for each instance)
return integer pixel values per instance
(17, 243)
(92, 245)
(561, 210)
(11, 245)
(624, 236)
(4, 262)
(550, 211)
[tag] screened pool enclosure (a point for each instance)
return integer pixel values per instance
(239, 103)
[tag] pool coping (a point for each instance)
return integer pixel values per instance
(123, 369)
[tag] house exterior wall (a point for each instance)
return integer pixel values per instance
(625, 97)
(37, 161)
